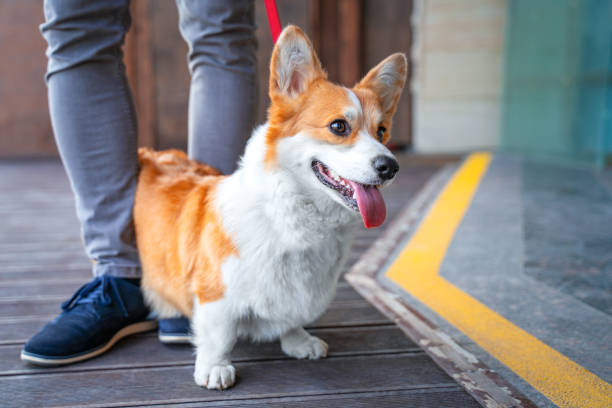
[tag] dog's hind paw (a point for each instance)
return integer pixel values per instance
(218, 377)
(305, 347)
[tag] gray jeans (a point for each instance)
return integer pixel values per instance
(93, 115)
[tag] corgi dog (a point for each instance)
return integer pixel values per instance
(257, 254)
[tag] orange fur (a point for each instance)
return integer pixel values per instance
(371, 104)
(321, 102)
(181, 239)
(385, 94)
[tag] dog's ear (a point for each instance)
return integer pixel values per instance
(294, 64)
(387, 80)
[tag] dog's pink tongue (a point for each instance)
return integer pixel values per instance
(371, 204)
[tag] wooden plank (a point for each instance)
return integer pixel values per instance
(60, 289)
(28, 308)
(347, 314)
(146, 351)
(14, 253)
(30, 233)
(19, 206)
(25, 128)
(435, 397)
(42, 258)
(29, 263)
(40, 213)
(34, 196)
(21, 191)
(349, 47)
(28, 317)
(325, 22)
(266, 379)
(31, 247)
(171, 80)
(31, 237)
(44, 274)
(19, 330)
(140, 71)
(48, 305)
(46, 266)
(62, 225)
(30, 171)
(29, 253)
(24, 269)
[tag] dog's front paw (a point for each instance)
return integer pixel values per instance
(305, 347)
(217, 377)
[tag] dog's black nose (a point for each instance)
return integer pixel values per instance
(385, 166)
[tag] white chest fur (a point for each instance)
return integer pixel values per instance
(274, 288)
(291, 250)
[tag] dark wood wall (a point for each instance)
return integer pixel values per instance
(25, 129)
(351, 36)
(387, 29)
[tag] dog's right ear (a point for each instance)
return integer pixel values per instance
(294, 64)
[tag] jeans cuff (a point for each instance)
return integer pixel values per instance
(119, 271)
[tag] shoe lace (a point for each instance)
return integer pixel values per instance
(98, 291)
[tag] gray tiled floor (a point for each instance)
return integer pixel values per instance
(536, 247)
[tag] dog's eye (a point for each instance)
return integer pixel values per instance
(340, 127)
(380, 133)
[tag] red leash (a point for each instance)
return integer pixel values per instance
(273, 19)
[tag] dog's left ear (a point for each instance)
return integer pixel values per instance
(294, 64)
(387, 80)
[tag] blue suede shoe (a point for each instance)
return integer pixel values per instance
(99, 314)
(174, 331)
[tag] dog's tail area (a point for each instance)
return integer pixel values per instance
(172, 162)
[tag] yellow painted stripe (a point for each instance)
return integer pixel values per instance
(564, 382)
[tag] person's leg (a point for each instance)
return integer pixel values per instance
(222, 100)
(94, 124)
(222, 62)
(95, 129)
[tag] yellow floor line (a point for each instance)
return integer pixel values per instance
(560, 379)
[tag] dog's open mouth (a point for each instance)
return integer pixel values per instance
(364, 198)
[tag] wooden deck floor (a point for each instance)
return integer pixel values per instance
(371, 362)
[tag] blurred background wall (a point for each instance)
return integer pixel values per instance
(458, 61)
(350, 35)
(558, 80)
(532, 77)
(25, 129)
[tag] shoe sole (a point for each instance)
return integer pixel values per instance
(174, 338)
(40, 360)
